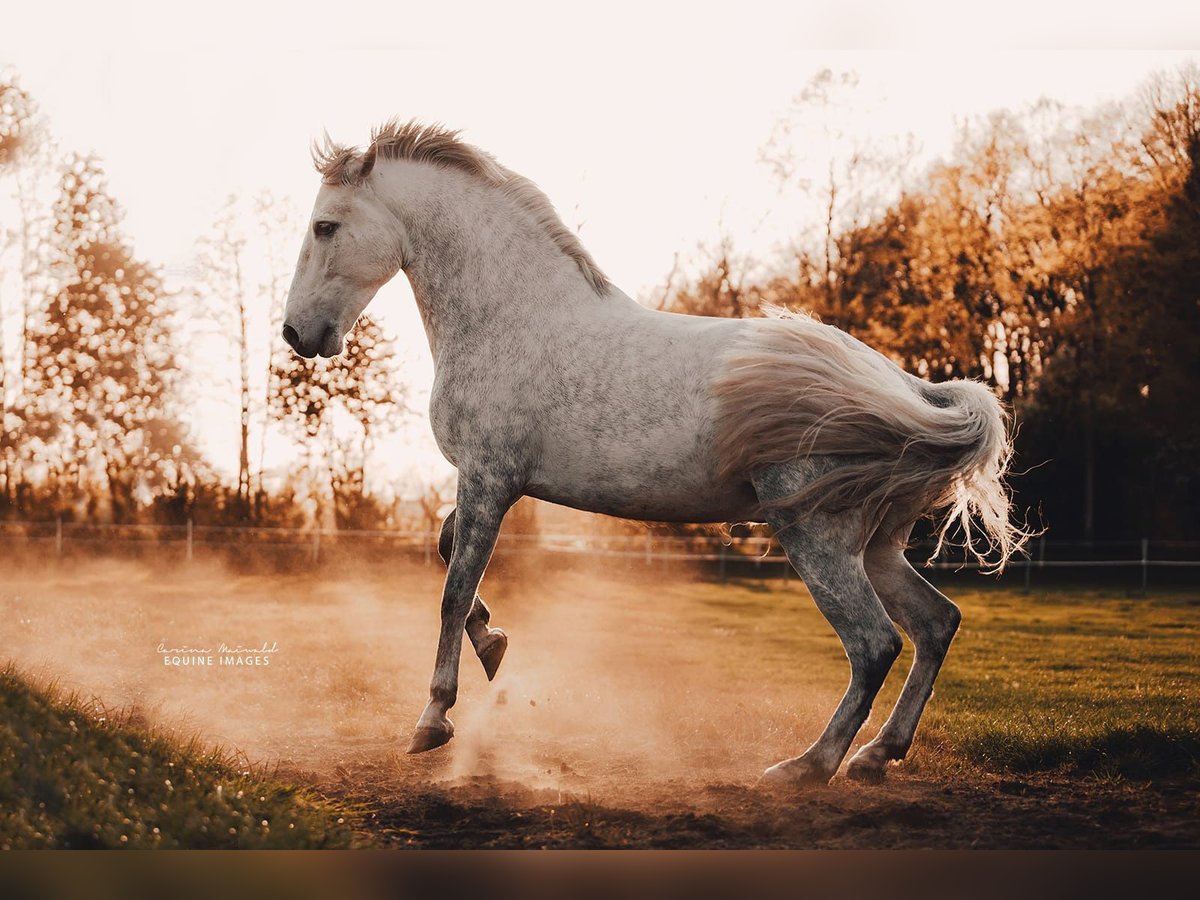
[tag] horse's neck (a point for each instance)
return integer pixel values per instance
(477, 262)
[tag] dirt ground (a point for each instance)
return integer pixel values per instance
(906, 812)
(632, 710)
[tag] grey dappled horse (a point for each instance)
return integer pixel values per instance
(550, 382)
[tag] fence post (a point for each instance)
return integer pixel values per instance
(189, 539)
(721, 564)
(1028, 570)
(58, 540)
(1145, 564)
(316, 545)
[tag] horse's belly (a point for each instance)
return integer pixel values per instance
(655, 506)
(632, 484)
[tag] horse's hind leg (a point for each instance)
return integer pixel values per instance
(823, 548)
(930, 621)
(489, 643)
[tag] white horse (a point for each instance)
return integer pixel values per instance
(553, 383)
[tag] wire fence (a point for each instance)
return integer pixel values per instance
(754, 556)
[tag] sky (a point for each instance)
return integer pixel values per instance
(643, 122)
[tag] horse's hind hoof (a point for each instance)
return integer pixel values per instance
(869, 765)
(865, 773)
(492, 651)
(425, 738)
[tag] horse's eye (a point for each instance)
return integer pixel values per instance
(324, 229)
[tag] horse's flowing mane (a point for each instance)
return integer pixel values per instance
(439, 146)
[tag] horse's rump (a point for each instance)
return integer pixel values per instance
(792, 387)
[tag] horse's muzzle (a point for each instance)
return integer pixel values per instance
(326, 344)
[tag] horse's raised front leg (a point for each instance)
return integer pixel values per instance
(482, 503)
(930, 620)
(822, 548)
(489, 643)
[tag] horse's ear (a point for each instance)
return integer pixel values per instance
(368, 163)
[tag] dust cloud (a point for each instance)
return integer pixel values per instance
(615, 687)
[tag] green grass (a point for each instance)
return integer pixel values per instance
(1090, 683)
(74, 775)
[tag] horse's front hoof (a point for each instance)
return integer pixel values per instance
(426, 738)
(791, 774)
(492, 650)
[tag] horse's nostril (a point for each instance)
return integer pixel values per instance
(329, 342)
(291, 335)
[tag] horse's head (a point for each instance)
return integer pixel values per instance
(354, 245)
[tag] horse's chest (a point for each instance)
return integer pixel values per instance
(472, 409)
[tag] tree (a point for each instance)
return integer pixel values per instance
(102, 362)
(361, 386)
(22, 139)
(1053, 254)
(222, 281)
(276, 221)
(721, 288)
(845, 179)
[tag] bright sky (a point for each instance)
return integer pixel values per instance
(642, 121)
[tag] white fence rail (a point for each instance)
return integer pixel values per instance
(760, 554)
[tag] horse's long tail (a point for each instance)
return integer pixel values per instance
(793, 387)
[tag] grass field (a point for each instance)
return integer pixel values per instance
(76, 775)
(629, 711)
(1085, 682)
